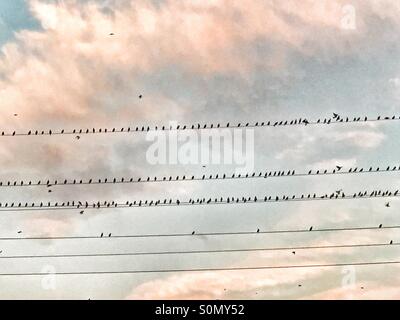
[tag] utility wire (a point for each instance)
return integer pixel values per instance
(180, 127)
(80, 255)
(326, 265)
(76, 205)
(204, 177)
(206, 234)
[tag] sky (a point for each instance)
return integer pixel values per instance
(83, 64)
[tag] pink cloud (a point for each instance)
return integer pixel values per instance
(217, 285)
(364, 291)
(55, 74)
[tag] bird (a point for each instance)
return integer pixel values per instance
(380, 226)
(258, 230)
(335, 115)
(339, 167)
(299, 285)
(81, 212)
(111, 34)
(19, 231)
(387, 205)
(311, 228)
(77, 137)
(109, 235)
(193, 232)
(140, 96)
(49, 190)
(294, 252)
(101, 236)
(15, 114)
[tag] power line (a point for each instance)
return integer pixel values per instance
(254, 175)
(373, 263)
(76, 205)
(180, 127)
(80, 255)
(204, 234)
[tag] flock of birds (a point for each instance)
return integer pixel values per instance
(336, 195)
(265, 174)
(300, 121)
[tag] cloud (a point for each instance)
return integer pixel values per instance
(65, 71)
(332, 163)
(48, 227)
(330, 143)
(361, 291)
(273, 283)
(72, 73)
(395, 82)
(217, 285)
(361, 138)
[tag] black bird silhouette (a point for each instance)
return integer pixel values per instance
(391, 241)
(311, 228)
(109, 235)
(111, 34)
(81, 212)
(380, 226)
(335, 115)
(140, 96)
(193, 232)
(294, 252)
(387, 205)
(258, 230)
(101, 236)
(339, 167)
(77, 137)
(19, 231)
